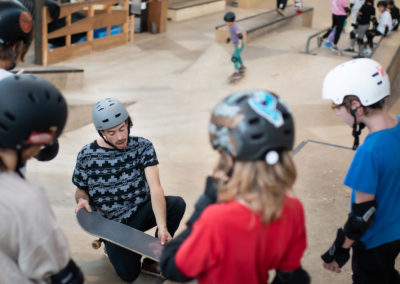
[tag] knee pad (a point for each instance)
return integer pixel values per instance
(352, 35)
(234, 59)
(360, 41)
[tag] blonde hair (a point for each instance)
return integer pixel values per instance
(256, 181)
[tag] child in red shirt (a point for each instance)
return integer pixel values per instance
(256, 226)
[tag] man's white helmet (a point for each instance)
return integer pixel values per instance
(364, 78)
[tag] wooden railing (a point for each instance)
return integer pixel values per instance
(99, 14)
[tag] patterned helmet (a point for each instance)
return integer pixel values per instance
(15, 23)
(250, 123)
(108, 113)
(29, 106)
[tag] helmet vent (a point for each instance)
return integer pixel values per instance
(47, 95)
(60, 98)
(241, 99)
(256, 136)
(105, 120)
(112, 104)
(32, 97)
(254, 120)
(10, 116)
(117, 115)
(380, 83)
(375, 74)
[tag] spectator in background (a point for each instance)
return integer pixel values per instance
(340, 10)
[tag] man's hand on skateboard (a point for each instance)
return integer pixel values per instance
(164, 236)
(83, 203)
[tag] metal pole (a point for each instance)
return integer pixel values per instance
(38, 31)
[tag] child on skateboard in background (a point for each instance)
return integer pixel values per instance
(237, 39)
(256, 225)
(358, 90)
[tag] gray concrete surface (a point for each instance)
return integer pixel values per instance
(170, 83)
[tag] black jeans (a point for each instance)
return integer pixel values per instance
(376, 265)
(338, 22)
(127, 263)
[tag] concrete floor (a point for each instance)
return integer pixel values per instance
(170, 83)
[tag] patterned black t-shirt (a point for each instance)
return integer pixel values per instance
(115, 180)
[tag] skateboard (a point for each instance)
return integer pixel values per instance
(119, 234)
(233, 79)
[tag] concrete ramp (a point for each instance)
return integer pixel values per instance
(321, 169)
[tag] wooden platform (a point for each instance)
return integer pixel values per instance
(256, 25)
(184, 10)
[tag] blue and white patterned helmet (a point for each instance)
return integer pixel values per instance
(250, 123)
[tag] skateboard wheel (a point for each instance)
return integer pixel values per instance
(96, 244)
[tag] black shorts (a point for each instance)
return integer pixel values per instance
(376, 265)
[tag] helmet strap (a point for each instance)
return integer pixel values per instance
(20, 164)
(13, 61)
(356, 130)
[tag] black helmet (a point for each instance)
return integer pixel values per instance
(251, 123)
(15, 23)
(29, 106)
(229, 17)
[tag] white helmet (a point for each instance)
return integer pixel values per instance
(364, 78)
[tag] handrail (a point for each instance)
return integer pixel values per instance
(307, 51)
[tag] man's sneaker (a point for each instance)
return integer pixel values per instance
(150, 267)
(319, 41)
(367, 52)
(350, 49)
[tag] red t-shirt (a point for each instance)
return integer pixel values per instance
(230, 244)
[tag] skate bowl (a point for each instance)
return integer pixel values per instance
(259, 24)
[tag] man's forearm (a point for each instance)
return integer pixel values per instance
(159, 208)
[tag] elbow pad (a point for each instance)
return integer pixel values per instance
(374, 21)
(71, 274)
(240, 35)
(360, 219)
(347, 10)
(298, 276)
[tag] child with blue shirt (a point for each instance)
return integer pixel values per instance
(358, 89)
(237, 39)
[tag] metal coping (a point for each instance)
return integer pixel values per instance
(49, 71)
(269, 23)
(303, 143)
(184, 6)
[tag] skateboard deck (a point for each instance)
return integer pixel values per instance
(119, 234)
(233, 79)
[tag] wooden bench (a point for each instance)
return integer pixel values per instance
(99, 14)
(189, 9)
(256, 25)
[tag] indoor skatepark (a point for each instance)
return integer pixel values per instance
(171, 81)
